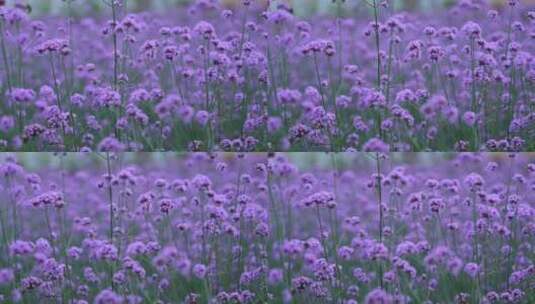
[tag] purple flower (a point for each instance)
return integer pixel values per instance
(23, 96)
(472, 269)
(275, 276)
(376, 145)
(469, 118)
(111, 144)
(202, 117)
(378, 296)
(30, 283)
(322, 199)
(472, 30)
(6, 276)
(20, 248)
(60, 46)
(204, 29)
(199, 271)
(107, 296)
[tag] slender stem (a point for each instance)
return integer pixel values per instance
(50, 232)
(318, 78)
(110, 197)
(320, 223)
(340, 46)
(333, 216)
(114, 37)
(509, 258)
(377, 41)
(203, 236)
(378, 49)
(56, 85)
(379, 195)
(20, 62)
(389, 69)
(4, 56)
(474, 90)
(510, 107)
(509, 32)
(274, 210)
(4, 235)
(476, 244)
(380, 203)
(14, 210)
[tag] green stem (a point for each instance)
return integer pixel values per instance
(4, 235)
(377, 42)
(380, 203)
(5, 57)
(110, 197)
(114, 37)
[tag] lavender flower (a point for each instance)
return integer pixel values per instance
(259, 77)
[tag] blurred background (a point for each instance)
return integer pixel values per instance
(304, 161)
(301, 7)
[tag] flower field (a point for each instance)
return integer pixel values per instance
(207, 77)
(290, 151)
(267, 228)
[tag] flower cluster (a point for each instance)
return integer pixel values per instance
(268, 228)
(253, 78)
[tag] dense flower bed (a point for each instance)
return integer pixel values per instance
(208, 78)
(257, 228)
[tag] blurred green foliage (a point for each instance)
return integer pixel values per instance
(82, 7)
(76, 161)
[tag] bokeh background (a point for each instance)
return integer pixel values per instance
(77, 161)
(301, 7)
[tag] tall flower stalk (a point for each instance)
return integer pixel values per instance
(375, 7)
(111, 232)
(378, 181)
(114, 4)
(5, 56)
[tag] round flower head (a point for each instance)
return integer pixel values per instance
(107, 296)
(471, 269)
(111, 144)
(474, 181)
(199, 271)
(472, 30)
(204, 29)
(469, 118)
(376, 145)
(378, 296)
(23, 96)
